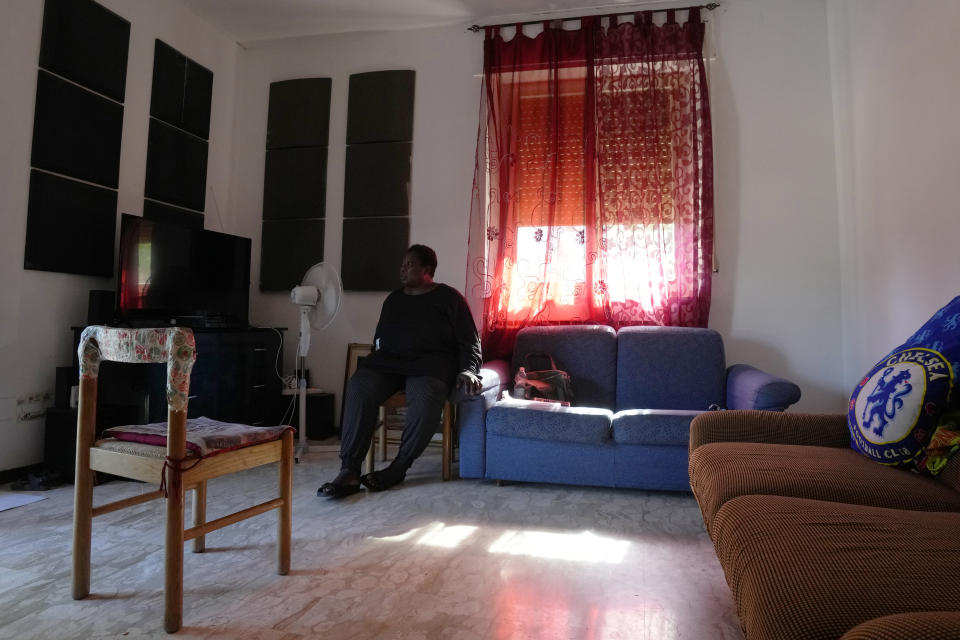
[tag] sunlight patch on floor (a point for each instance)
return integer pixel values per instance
(580, 547)
(436, 534)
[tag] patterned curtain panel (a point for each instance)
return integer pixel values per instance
(593, 188)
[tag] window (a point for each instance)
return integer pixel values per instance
(598, 167)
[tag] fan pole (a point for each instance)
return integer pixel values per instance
(302, 446)
(302, 348)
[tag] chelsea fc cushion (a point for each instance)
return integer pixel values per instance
(900, 413)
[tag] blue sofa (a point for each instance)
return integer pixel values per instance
(636, 392)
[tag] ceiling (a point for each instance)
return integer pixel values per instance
(251, 21)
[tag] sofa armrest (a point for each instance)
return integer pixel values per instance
(811, 429)
(751, 388)
(494, 378)
(943, 625)
(472, 417)
(495, 373)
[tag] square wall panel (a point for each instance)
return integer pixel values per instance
(197, 99)
(182, 91)
(380, 107)
(176, 167)
(294, 183)
(70, 226)
(377, 179)
(76, 132)
(372, 251)
(86, 43)
(288, 248)
(168, 214)
(299, 113)
(166, 93)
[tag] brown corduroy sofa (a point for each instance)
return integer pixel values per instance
(818, 542)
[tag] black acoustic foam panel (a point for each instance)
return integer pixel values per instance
(168, 214)
(76, 132)
(86, 43)
(182, 91)
(176, 167)
(288, 249)
(166, 93)
(380, 107)
(197, 99)
(70, 226)
(372, 251)
(377, 180)
(294, 183)
(299, 113)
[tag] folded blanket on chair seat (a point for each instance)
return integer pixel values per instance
(205, 436)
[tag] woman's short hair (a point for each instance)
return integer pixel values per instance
(426, 256)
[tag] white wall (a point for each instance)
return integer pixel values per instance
(777, 296)
(444, 135)
(776, 299)
(37, 308)
(895, 81)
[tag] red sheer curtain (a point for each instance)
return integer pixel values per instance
(593, 194)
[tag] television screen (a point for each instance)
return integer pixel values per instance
(189, 276)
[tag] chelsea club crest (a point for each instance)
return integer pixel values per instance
(893, 409)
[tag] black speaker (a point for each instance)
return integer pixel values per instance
(66, 378)
(319, 416)
(100, 308)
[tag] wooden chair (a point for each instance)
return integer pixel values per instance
(222, 449)
(399, 400)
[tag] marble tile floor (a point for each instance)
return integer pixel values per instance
(429, 560)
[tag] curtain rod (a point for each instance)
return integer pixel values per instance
(476, 27)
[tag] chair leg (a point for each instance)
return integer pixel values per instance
(368, 462)
(173, 564)
(285, 512)
(447, 441)
(83, 489)
(382, 435)
(200, 514)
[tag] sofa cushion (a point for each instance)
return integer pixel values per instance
(549, 421)
(722, 471)
(669, 368)
(895, 409)
(920, 625)
(811, 570)
(653, 426)
(587, 352)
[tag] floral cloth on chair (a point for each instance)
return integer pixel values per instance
(205, 437)
(174, 345)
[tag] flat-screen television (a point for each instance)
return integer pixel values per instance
(174, 274)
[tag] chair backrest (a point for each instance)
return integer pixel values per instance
(175, 346)
(669, 368)
(587, 352)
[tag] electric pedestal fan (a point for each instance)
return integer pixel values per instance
(319, 296)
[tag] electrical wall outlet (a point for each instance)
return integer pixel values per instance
(31, 406)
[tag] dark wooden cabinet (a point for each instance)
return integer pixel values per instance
(234, 379)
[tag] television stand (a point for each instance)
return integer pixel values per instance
(234, 378)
